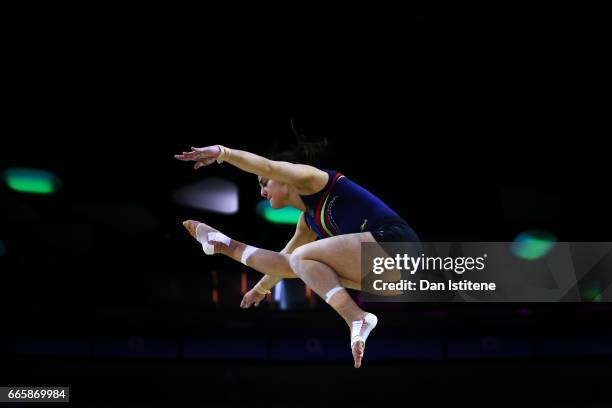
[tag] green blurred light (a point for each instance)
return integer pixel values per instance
(285, 215)
(533, 245)
(31, 180)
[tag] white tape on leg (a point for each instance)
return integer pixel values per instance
(214, 236)
(332, 292)
(248, 251)
(200, 233)
(219, 237)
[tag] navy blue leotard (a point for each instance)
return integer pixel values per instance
(344, 207)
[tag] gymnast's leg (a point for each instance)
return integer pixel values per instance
(262, 260)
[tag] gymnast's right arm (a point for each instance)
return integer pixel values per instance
(307, 179)
(302, 236)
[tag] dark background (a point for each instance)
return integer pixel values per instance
(473, 123)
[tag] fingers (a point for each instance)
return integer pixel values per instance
(247, 302)
(184, 157)
(203, 156)
(187, 156)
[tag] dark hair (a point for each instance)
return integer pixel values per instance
(302, 150)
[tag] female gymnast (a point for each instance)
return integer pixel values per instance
(336, 210)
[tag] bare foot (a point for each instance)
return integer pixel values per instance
(191, 227)
(358, 348)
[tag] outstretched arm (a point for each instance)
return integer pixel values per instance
(307, 179)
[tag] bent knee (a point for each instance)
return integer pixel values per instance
(296, 258)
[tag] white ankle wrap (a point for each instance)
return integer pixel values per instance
(360, 329)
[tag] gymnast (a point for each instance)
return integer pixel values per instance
(338, 215)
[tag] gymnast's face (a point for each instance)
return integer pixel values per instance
(276, 192)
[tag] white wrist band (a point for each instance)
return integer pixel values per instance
(248, 251)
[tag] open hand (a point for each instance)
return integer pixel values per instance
(202, 156)
(252, 297)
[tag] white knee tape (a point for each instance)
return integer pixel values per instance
(215, 236)
(248, 251)
(332, 292)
